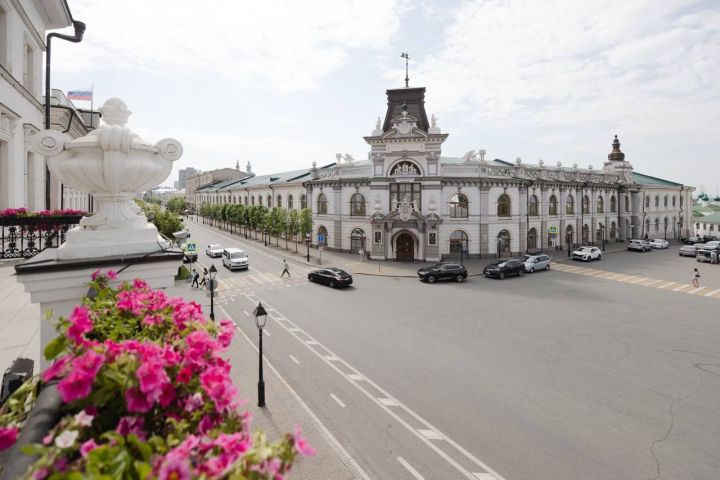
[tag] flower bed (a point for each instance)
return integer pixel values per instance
(23, 213)
(144, 394)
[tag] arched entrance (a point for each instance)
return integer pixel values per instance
(405, 248)
(357, 240)
(503, 244)
(532, 239)
(322, 236)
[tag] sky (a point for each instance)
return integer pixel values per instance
(284, 83)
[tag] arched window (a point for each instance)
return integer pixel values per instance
(269, 200)
(585, 204)
(613, 204)
(260, 200)
(533, 206)
(357, 240)
(290, 201)
(569, 235)
(322, 204)
(279, 201)
(503, 243)
(613, 230)
(503, 206)
(600, 205)
(552, 205)
(458, 242)
(246, 200)
(657, 224)
(532, 239)
(647, 226)
(627, 203)
(458, 206)
(647, 202)
(665, 201)
(570, 205)
(657, 201)
(357, 205)
(303, 202)
(673, 200)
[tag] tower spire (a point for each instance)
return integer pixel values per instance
(407, 58)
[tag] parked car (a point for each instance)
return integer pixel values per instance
(687, 251)
(333, 277)
(214, 250)
(705, 255)
(586, 254)
(536, 262)
(659, 243)
(698, 247)
(235, 259)
(692, 240)
(443, 271)
(636, 245)
(712, 245)
(503, 268)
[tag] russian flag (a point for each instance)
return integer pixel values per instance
(80, 94)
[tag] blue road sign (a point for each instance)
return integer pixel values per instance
(321, 239)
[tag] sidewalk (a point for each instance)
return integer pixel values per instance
(20, 337)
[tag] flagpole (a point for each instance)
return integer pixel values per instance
(92, 98)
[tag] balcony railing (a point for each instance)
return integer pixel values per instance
(24, 237)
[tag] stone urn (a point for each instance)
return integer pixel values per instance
(113, 164)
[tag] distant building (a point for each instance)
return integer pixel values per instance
(204, 179)
(163, 194)
(183, 175)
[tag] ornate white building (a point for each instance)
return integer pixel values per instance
(407, 201)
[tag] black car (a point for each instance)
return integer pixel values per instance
(503, 268)
(443, 271)
(333, 277)
(692, 240)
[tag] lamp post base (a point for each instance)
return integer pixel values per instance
(261, 394)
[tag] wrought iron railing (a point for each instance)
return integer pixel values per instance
(24, 237)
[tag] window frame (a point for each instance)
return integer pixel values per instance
(504, 206)
(457, 207)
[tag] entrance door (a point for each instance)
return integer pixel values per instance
(405, 249)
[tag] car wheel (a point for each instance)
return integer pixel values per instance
(431, 279)
(547, 267)
(502, 275)
(332, 284)
(521, 272)
(312, 278)
(532, 269)
(459, 279)
(599, 257)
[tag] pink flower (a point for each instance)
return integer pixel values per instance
(80, 324)
(301, 444)
(152, 377)
(227, 331)
(87, 447)
(184, 375)
(56, 369)
(174, 467)
(112, 275)
(206, 424)
(167, 396)
(128, 425)
(95, 275)
(89, 363)
(218, 386)
(8, 437)
(77, 385)
(137, 401)
(41, 474)
(84, 419)
(193, 402)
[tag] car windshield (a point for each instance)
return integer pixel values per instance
(237, 255)
(525, 258)
(214, 247)
(585, 250)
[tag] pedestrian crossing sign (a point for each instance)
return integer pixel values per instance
(553, 230)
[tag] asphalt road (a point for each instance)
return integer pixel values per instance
(556, 375)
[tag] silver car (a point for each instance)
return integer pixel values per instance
(687, 251)
(536, 262)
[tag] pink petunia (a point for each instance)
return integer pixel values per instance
(80, 324)
(76, 386)
(89, 363)
(137, 401)
(301, 444)
(87, 447)
(8, 437)
(56, 369)
(129, 424)
(184, 375)
(174, 467)
(152, 377)
(167, 395)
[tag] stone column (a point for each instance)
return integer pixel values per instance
(523, 226)
(544, 213)
(483, 225)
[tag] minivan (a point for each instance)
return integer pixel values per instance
(235, 259)
(536, 262)
(639, 245)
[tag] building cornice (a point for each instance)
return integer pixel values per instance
(28, 23)
(6, 75)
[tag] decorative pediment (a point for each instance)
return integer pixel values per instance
(405, 168)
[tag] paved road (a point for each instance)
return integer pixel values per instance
(556, 375)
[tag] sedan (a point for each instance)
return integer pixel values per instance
(333, 277)
(659, 243)
(443, 271)
(587, 253)
(687, 251)
(502, 268)
(214, 250)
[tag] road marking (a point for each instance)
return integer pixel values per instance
(710, 294)
(311, 342)
(681, 287)
(483, 476)
(331, 358)
(410, 469)
(356, 377)
(640, 279)
(666, 285)
(573, 269)
(265, 332)
(293, 329)
(292, 357)
(653, 283)
(696, 290)
(339, 402)
(388, 402)
(430, 434)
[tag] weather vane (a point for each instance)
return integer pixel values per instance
(406, 57)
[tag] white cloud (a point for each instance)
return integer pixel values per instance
(284, 45)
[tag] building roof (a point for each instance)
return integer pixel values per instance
(712, 218)
(643, 179)
(262, 180)
(413, 99)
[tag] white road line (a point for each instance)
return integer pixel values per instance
(483, 476)
(293, 329)
(331, 358)
(389, 402)
(265, 332)
(652, 284)
(666, 285)
(430, 434)
(390, 412)
(641, 279)
(246, 313)
(573, 269)
(355, 376)
(695, 290)
(410, 469)
(710, 294)
(679, 288)
(339, 402)
(292, 357)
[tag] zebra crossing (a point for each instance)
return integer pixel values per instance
(677, 287)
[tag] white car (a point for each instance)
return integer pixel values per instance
(659, 243)
(587, 253)
(214, 250)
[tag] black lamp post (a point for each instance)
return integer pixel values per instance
(265, 235)
(260, 319)
(307, 240)
(213, 273)
(666, 230)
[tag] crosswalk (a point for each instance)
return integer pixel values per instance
(677, 287)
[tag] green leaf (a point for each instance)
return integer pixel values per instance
(32, 449)
(142, 447)
(55, 347)
(142, 469)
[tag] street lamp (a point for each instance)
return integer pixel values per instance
(213, 273)
(307, 241)
(260, 319)
(265, 235)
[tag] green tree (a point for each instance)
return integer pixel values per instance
(276, 223)
(167, 222)
(176, 204)
(306, 223)
(293, 226)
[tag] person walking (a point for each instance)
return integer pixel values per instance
(696, 278)
(286, 269)
(203, 282)
(195, 278)
(713, 256)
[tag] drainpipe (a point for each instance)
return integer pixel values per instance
(79, 32)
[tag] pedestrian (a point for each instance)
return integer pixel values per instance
(696, 278)
(286, 269)
(203, 282)
(195, 278)
(362, 254)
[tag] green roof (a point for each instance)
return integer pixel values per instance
(714, 218)
(643, 179)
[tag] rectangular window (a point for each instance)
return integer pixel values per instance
(400, 191)
(378, 237)
(432, 238)
(29, 69)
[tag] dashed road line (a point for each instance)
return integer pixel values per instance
(710, 294)
(681, 287)
(388, 402)
(430, 434)
(696, 290)
(410, 469)
(337, 400)
(666, 285)
(292, 357)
